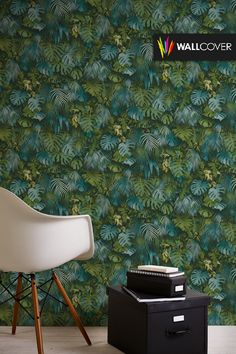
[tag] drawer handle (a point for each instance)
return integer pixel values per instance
(180, 332)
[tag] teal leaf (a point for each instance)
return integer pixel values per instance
(103, 205)
(135, 203)
(125, 58)
(135, 113)
(147, 51)
(109, 142)
(103, 116)
(211, 231)
(45, 68)
(216, 283)
(108, 52)
(18, 187)
(18, 7)
(215, 102)
(199, 277)
(35, 192)
(233, 274)
(150, 141)
(187, 115)
(193, 160)
(125, 148)
(226, 248)
(226, 158)
(198, 97)
(13, 160)
(215, 193)
(199, 187)
(125, 238)
(9, 25)
(12, 70)
(177, 259)
(220, 116)
(186, 205)
(35, 102)
(96, 160)
(135, 23)
(61, 7)
(233, 94)
(150, 231)
(226, 68)
(102, 26)
(59, 186)
(109, 232)
(199, 7)
(18, 97)
(233, 184)
(194, 250)
(39, 116)
(59, 96)
(216, 12)
(35, 13)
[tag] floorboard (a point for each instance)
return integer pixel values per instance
(68, 340)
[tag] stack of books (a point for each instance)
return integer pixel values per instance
(151, 283)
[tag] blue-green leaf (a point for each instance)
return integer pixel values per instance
(150, 231)
(18, 7)
(198, 97)
(147, 51)
(199, 7)
(216, 283)
(199, 277)
(125, 238)
(199, 187)
(109, 142)
(18, 187)
(108, 52)
(226, 248)
(109, 232)
(18, 97)
(215, 192)
(59, 186)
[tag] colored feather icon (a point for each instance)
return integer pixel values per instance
(166, 48)
(171, 47)
(160, 44)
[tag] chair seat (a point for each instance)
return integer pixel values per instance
(32, 241)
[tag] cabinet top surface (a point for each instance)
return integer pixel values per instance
(193, 299)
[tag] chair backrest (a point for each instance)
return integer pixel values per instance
(31, 241)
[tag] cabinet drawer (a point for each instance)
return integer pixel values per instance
(172, 327)
(177, 332)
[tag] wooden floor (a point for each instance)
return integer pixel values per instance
(68, 340)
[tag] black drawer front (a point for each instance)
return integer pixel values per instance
(177, 332)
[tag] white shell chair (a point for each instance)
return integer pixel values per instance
(32, 242)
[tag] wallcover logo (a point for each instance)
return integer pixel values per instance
(165, 49)
(195, 47)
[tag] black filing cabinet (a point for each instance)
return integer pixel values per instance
(173, 327)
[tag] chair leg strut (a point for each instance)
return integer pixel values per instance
(71, 308)
(37, 323)
(17, 306)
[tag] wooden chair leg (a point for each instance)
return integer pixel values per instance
(71, 308)
(17, 305)
(37, 323)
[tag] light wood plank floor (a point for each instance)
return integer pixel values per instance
(68, 340)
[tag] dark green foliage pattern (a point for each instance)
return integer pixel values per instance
(91, 124)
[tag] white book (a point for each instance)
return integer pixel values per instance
(156, 274)
(140, 297)
(160, 269)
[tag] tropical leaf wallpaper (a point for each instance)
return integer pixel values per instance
(89, 123)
